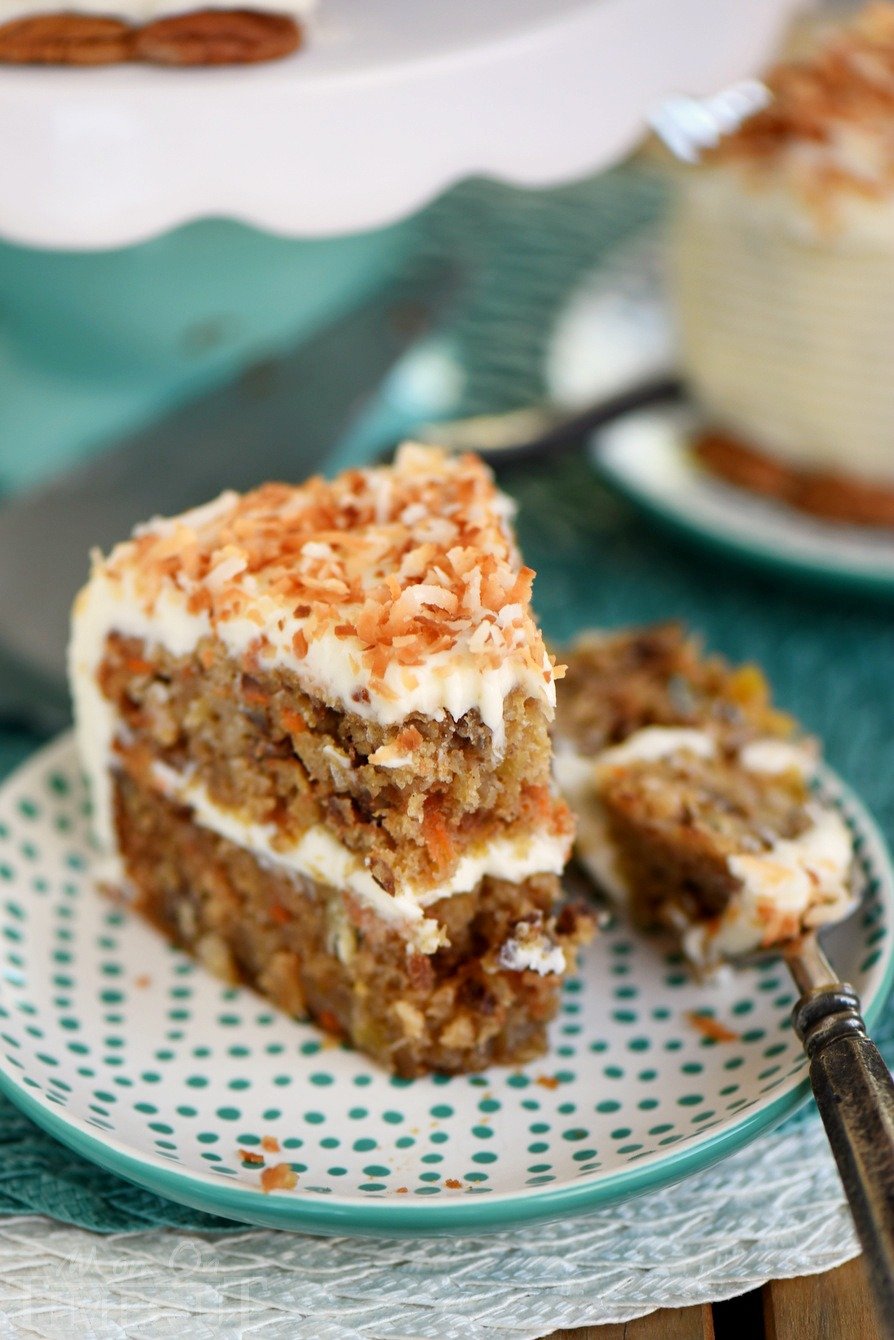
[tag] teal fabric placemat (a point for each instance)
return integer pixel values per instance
(830, 658)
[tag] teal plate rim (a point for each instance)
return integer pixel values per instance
(247, 1205)
(829, 572)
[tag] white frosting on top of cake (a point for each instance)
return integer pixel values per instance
(796, 882)
(581, 773)
(775, 756)
(656, 742)
(388, 591)
(144, 11)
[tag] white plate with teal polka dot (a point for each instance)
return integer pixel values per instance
(125, 1050)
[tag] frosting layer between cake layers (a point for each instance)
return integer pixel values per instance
(319, 856)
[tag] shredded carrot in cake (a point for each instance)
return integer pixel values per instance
(138, 666)
(711, 1028)
(293, 721)
(409, 739)
(436, 834)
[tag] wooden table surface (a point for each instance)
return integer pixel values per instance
(834, 1306)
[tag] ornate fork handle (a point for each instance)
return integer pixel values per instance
(855, 1096)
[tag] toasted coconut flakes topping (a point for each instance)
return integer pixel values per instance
(831, 118)
(404, 563)
(412, 568)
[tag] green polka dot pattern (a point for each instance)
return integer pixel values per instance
(126, 1039)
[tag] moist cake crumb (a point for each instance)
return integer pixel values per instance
(693, 797)
(279, 1177)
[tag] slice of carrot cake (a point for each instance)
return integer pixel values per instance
(315, 725)
(692, 795)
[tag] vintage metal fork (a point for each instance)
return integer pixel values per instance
(852, 1086)
(855, 1096)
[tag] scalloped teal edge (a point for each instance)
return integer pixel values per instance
(244, 1204)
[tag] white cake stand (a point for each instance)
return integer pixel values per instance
(391, 101)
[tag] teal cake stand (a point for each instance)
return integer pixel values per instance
(125, 287)
(96, 343)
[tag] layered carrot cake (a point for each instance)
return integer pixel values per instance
(782, 278)
(163, 32)
(314, 721)
(692, 795)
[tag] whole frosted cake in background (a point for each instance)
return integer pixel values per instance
(783, 282)
(315, 725)
(163, 32)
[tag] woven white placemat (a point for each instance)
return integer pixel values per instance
(776, 1209)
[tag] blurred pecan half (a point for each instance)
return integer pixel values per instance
(217, 37)
(66, 39)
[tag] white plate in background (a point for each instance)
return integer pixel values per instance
(646, 457)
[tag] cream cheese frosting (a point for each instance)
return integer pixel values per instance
(530, 949)
(802, 881)
(390, 591)
(825, 135)
(784, 329)
(782, 262)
